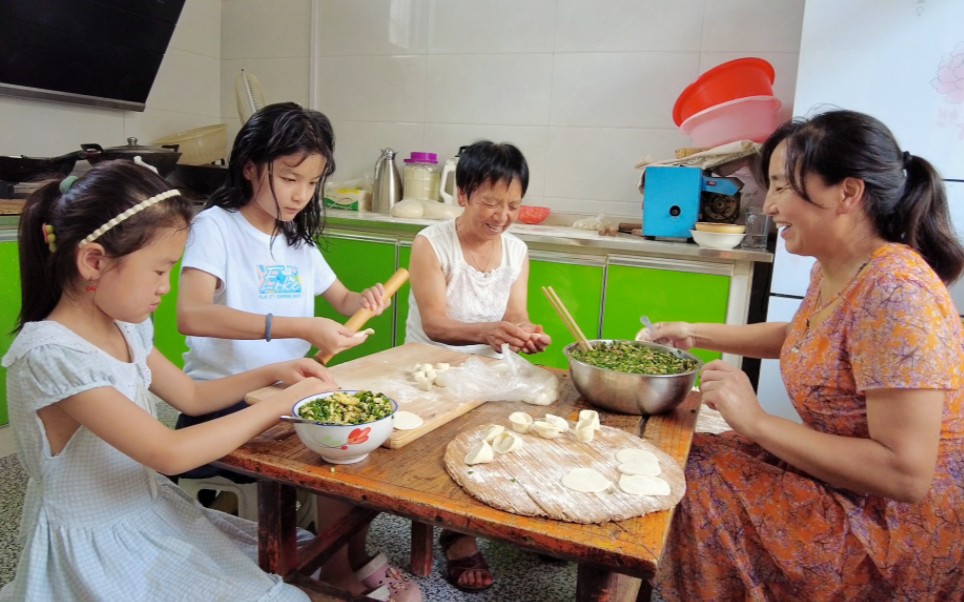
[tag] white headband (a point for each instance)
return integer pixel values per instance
(157, 198)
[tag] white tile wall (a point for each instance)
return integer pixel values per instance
(584, 88)
(186, 94)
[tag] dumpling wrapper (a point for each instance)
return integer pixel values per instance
(639, 466)
(586, 480)
(406, 421)
(480, 453)
(631, 454)
(638, 484)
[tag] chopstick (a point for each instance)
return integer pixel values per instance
(566, 317)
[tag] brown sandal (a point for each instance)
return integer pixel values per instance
(459, 566)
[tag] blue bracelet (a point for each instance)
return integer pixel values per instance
(267, 327)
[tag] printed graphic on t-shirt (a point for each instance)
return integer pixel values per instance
(279, 282)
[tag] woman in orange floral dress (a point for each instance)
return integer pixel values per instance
(865, 499)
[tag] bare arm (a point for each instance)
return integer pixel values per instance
(198, 315)
(428, 286)
(134, 432)
(761, 340)
(195, 398)
(897, 460)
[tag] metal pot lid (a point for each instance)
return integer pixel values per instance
(133, 148)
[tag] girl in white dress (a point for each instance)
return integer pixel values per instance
(99, 522)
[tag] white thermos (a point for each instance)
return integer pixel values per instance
(387, 184)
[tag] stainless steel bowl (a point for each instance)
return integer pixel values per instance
(632, 393)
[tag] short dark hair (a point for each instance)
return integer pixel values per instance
(904, 194)
(487, 162)
(274, 131)
(104, 192)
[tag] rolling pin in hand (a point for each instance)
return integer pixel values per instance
(364, 314)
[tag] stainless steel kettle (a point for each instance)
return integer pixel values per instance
(387, 186)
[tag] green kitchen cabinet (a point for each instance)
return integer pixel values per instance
(663, 294)
(167, 339)
(360, 262)
(9, 312)
(579, 284)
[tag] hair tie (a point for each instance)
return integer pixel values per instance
(906, 157)
(49, 237)
(66, 183)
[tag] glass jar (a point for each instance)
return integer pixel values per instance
(421, 176)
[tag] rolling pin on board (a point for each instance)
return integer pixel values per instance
(364, 314)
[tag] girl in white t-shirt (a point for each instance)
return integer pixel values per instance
(249, 278)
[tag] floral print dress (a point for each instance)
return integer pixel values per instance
(753, 528)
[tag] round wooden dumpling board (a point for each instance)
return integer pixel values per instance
(528, 481)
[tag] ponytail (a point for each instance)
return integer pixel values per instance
(923, 220)
(40, 290)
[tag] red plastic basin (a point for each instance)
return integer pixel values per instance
(530, 214)
(739, 78)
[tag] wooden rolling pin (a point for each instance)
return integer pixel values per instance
(361, 316)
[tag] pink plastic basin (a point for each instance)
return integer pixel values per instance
(752, 118)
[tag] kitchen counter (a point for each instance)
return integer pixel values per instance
(538, 237)
(551, 238)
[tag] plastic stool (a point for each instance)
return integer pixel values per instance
(247, 495)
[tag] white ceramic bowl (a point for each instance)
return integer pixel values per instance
(716, 240)
(343, 443)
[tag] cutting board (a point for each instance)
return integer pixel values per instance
(528, 481)
(11, 206)
(389, 372)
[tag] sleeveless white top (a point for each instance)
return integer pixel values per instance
(471, 296)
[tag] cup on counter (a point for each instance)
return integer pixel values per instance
(757, 230)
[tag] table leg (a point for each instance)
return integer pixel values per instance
(599, 585)
(423, 537)
(277, 539)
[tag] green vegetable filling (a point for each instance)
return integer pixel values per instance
(347, 408)
(623, 356)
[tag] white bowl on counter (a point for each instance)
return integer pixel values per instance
(716, 240)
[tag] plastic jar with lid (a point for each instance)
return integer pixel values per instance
(421, 176)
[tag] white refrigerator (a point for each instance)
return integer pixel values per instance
(898, 60)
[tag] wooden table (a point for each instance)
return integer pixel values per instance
(412, 482)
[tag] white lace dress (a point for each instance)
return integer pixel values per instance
(471, 296)
(96, 524)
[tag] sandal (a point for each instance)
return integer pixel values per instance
(383, 579)
(459, 566)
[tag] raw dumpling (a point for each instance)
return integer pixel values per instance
(557, 421)
(585, 433)
(492, 431)
(643, 485)
(586, 480)
(506, 442)
(590, 418)
(480, 453)
(520, 421)
(545, 429)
